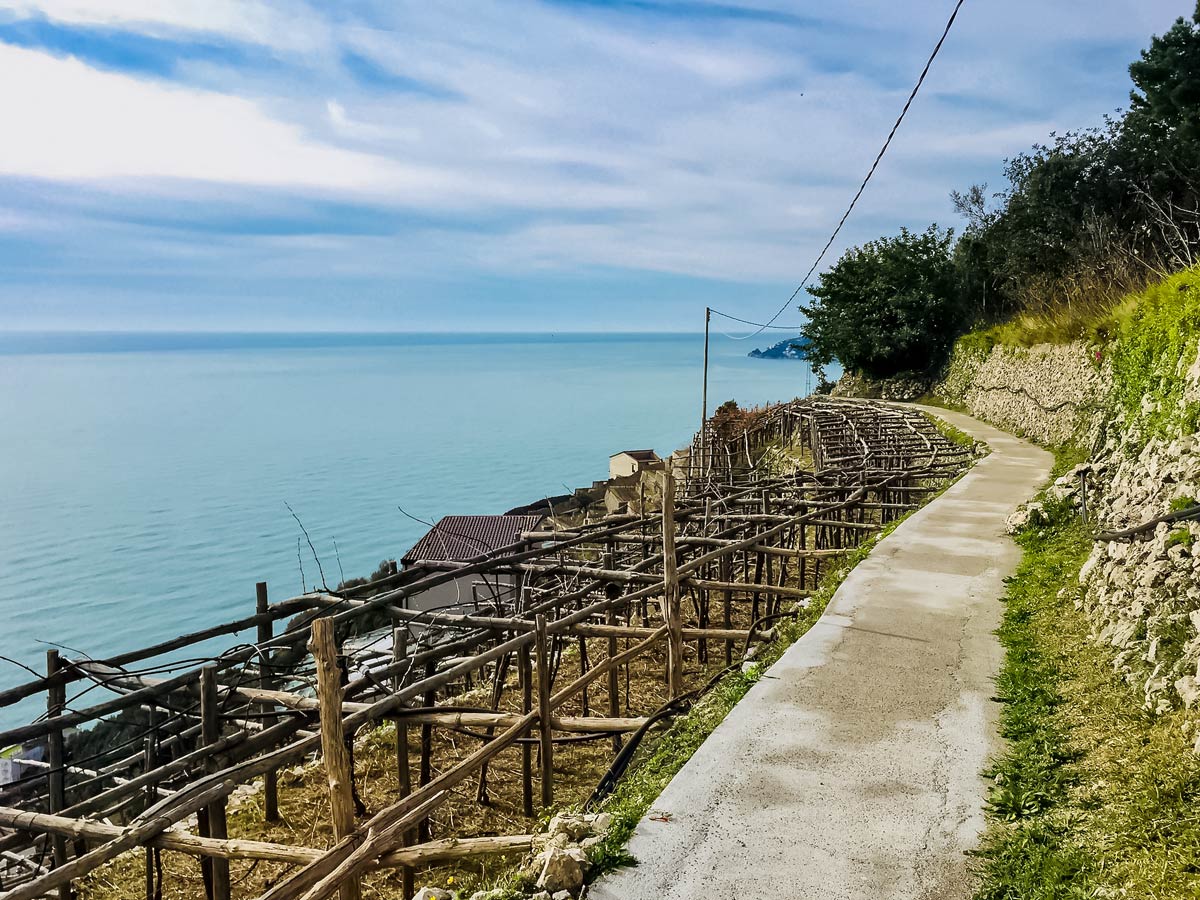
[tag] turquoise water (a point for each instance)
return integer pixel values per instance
(143, 477)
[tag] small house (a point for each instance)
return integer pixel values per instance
(462, 539)
(630, 462)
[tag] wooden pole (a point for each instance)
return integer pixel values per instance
(544, 724)
(210, 733)
(403, 770)
(56, 699)
(333, 740)
(704, 399)
(725, 568)
(614, 675)
(526, 669)
(672, 614)
(430, 700)
(148, 763)
(271, 779)
(183, 842)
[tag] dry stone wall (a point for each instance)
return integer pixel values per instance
(1051, 393)
(1143, 596)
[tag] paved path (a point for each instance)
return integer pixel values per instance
(852, 769)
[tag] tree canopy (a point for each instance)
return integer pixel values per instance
(888, 307)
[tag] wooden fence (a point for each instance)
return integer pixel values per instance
(736, 541)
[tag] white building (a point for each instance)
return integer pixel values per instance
(630, 462)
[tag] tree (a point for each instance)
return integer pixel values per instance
(1091, 214)
(888, 307)
(1167, 79)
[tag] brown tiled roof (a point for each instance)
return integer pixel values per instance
(460, 538)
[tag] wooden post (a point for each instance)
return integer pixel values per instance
(804, 546)
(544, 723)
(148, 764)
(526, 669)
(499, 679)
(672, 614)
(333, 740)
(725, 568)
(430, 700)
(271, 779)
(210, 733)
(614, 673)
(703, 401)
(403, 770)
(56, 699)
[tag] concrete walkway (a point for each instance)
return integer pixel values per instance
(852, 769)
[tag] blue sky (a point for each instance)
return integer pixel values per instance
(559, 165)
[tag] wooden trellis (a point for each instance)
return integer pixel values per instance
(731, 536)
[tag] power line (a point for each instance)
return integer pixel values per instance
(756, 324)
(829, 243)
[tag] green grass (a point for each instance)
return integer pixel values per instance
(1150, 322)
(1092, 796)
(1154, 338)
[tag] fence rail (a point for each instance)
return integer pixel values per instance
(734, 543)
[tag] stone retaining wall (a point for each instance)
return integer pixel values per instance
(1052, 393)
(1143, 597)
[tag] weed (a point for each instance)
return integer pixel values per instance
(1180, 535)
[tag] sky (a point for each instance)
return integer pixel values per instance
(558, 165)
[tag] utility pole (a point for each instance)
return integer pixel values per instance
(704, 397)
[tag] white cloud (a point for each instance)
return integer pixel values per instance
(251, 21)
(544, 136)
(72, 122)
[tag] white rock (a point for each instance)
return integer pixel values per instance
(1025, 515)
(1188, 690)
(432, 893)
(574, 827)
(560, 871)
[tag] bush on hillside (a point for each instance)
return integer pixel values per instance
(888, 307)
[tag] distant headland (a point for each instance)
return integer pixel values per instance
(789, 348)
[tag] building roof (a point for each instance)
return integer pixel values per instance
(459, 538)
(637, 454)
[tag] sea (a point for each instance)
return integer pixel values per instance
(148, 481)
